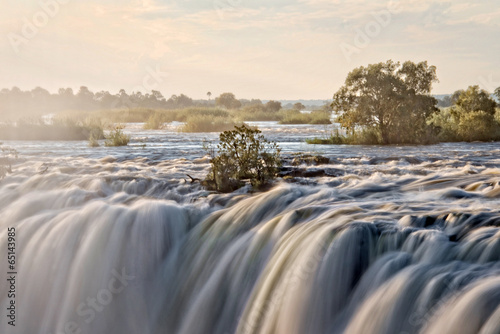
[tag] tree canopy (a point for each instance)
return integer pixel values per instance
(474, 99)
(273, 106)
(227, 100)
(389, 99)
(299, 106)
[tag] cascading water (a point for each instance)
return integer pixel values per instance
(126, 246)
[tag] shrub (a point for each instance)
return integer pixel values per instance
(243, 153)
(116, 137)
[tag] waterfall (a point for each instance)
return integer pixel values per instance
(372, 254)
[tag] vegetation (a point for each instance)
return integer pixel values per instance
(243, 153)
(57, 129)
(299, 106)
(273, 106)
(471, 118)
(39, 101)
(7, 156)
(314, 117)
(155, 121)
(228, 101)
(208, 123)
(93, 142)
(388, 99)
(116, 137)
(256, 113)
(144, 115)
(362, 137)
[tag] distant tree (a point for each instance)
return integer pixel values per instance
(209, 94)
(252, 102)
(105, 99)
(227, 100)
(85, 99)
(445, 102)
(389, 99)
(181, 101)
(273, 106)
(299, 106)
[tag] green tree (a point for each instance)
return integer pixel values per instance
(228, 101)
(473, 114)
(390, 99)
(209, 94)
(474, 99)
(242, 153)
(497, 93)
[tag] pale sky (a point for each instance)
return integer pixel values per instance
(268, 49)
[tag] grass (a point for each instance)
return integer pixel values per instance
(143, 115)
(205, 123)
(154, 119)
(296, 117)
(256, 113)
(360, 137)
(58, 129)
(154, 122)
(93, 142)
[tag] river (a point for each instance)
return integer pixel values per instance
(402, 239)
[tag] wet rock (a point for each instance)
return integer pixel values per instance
(108, 159)
(289, 172)
(310, 160)
(410, 160)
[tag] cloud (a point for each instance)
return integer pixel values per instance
(266, 49)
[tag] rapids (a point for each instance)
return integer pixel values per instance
(114, 240)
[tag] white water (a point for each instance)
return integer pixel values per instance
(404, 240)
